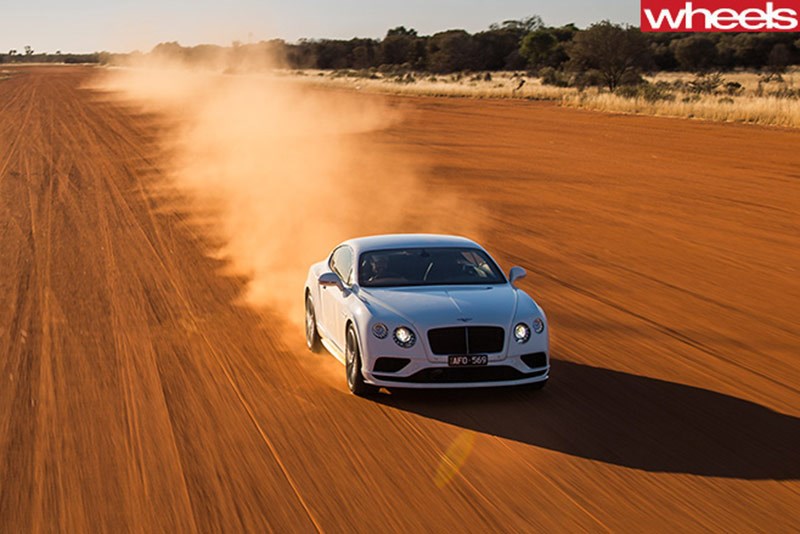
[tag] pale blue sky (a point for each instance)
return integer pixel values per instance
(124, 25)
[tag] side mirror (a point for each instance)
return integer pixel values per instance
(516, 273)
(330, 279)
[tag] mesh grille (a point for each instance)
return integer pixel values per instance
(466, 340)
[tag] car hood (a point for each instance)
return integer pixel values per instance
(430, 306)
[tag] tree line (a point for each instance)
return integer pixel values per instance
(29, 55)
(528, 44)
(606, 50)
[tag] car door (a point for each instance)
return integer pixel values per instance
(334, 300)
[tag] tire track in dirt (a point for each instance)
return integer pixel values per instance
(157, 246)
(23, 123)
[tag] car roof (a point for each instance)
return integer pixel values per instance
(390, 241)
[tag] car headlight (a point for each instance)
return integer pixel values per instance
(538, 325)
(522, 333)
(404, 337)
(380, 330)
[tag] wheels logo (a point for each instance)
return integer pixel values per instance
(719, 16)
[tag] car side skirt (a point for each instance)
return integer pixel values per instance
(333, 349)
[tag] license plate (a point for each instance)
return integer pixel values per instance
(472, 360)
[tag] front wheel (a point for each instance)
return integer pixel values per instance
(355, 380)
(313, 341)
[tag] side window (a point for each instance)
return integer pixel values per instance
(342, 264)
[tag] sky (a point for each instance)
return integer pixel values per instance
(127, 25)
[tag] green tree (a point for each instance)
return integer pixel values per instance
(616, 52)
(521, 26)
(538, 46)
(451, 51)
(365, 53)
(401, 46)
(750, 49)
(695, 53)
(779, 58)
(497, 49)
(170, 50)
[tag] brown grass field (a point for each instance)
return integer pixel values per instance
(757, 103)
(138, 394)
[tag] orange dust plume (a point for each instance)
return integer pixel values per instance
(286, 170)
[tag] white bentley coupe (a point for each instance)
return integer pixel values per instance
(424, 311)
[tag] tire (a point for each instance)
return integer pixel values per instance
(355, 380)
(313, 341)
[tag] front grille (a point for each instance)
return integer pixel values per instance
(448, 340)
(390, 365)
(535, 360)
(482, 339)
(451, 375)
(466, 340)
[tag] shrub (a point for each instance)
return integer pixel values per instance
(627, 91)
(405, 78)
(734, 88)
(588, 78)
(551, 76)
(785, 92)
(769, 77)
(657, 92)
(486, 77)
(679, 85)
(632, 77)
(649, 92)
(391, 70)
(706, 83)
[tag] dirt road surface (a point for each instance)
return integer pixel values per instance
(136, 395)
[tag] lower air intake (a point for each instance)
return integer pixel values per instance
(390, 365)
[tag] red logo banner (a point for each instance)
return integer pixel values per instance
(720, 15)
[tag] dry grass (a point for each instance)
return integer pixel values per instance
(753, 104)
(748, 80)
(764, 110)
(756, 103)
(501, 85)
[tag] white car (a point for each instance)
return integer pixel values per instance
(424, 311)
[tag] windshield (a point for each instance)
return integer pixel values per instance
(427, 267)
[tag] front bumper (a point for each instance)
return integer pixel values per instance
(385, 364)
(422, 373)
(438, 377)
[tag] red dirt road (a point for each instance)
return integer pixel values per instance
(135, 395)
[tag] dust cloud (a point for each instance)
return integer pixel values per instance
(287, 170)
